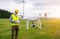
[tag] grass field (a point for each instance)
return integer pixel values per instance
(50, 30)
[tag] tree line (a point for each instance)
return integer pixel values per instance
(4, 14)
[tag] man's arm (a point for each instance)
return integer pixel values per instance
(12, 20)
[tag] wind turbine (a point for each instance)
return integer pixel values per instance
(45, 15)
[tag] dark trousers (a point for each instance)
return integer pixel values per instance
(15, 29)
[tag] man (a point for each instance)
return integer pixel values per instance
(15, 19)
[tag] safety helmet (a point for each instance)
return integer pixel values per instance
(16, 10)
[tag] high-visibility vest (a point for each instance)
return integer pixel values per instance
(15, 18)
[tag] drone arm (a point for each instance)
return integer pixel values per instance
(27, 24)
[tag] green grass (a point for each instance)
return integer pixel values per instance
(50, 30)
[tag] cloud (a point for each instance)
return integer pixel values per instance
(12, 5)
(18, 1)
(39, 6)
(9, 5)
(5, 0)
(45, 2)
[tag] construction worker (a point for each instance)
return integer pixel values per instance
(15, 19)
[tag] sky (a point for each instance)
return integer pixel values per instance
(33, 7)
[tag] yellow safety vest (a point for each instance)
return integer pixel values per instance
(15, 18)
